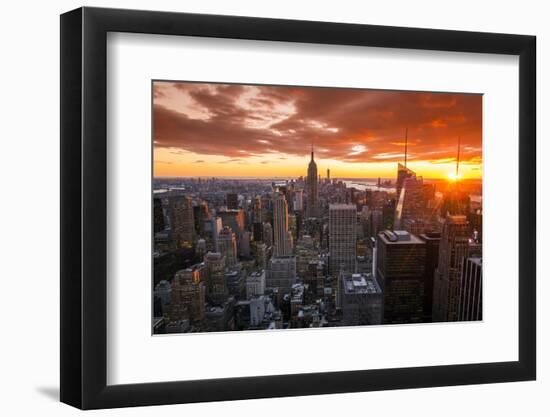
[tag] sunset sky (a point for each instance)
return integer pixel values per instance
(207, 130)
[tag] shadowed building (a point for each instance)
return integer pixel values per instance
(360, 298)
(282, 238)
(400, 269)
(216, 287)
(227, 246)
(281, 274)
(187, 295)
(432, 258)
(453, 247)
(470, 295)
(232, 201)
(182, 220)
(158, 215)
(342, 222)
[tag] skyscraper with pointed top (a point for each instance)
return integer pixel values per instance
(311, 188)
(402, 171)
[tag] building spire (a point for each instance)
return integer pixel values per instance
(312, 150)
(406, 143)
(457, 157)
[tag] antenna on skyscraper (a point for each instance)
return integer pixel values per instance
(457, 157)
(406, 142)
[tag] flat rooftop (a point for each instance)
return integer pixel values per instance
(399, 237)
(360, 284)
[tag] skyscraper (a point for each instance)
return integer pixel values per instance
(158, 215)
(187, 295)
(360, 298)
(257, 227)
(268, 234)
(212, 228)
(312, 188)
(233, 219)
(182, 220)
(281, 273)
(470, 296)
(453, 247)
(227, 246)
(410, 202)
(298, 200)
(400, 268)
(201, 213)
(402, 171)
(282, 238)
(432, 258)
(232, 201)
(342, 222)
(216, 287)
(257, 210)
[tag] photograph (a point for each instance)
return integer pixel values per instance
(297, 207)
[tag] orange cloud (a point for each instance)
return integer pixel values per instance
(353, 126)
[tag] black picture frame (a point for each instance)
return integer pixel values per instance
(84, 207)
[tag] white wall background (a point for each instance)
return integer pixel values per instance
(29, 219)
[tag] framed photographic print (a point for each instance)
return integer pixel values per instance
(258, 208)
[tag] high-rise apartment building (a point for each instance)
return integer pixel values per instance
(342, 223)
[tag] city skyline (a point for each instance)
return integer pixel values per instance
(315, 250)
(206, 130)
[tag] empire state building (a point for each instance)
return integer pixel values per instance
(311, 188)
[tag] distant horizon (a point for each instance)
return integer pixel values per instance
(295, 177)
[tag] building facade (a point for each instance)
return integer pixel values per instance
(182, 221)
(281, 273)
(470, 295)
(216, 286)
(282, 238)
(453, 247)
(227, 245)
(342, 225)
(360, 298)
(312, 188)
(400, 270)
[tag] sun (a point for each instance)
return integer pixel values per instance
(453, 176)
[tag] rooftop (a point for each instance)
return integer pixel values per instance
(342, 207)
(399, 237)
(360, 284)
